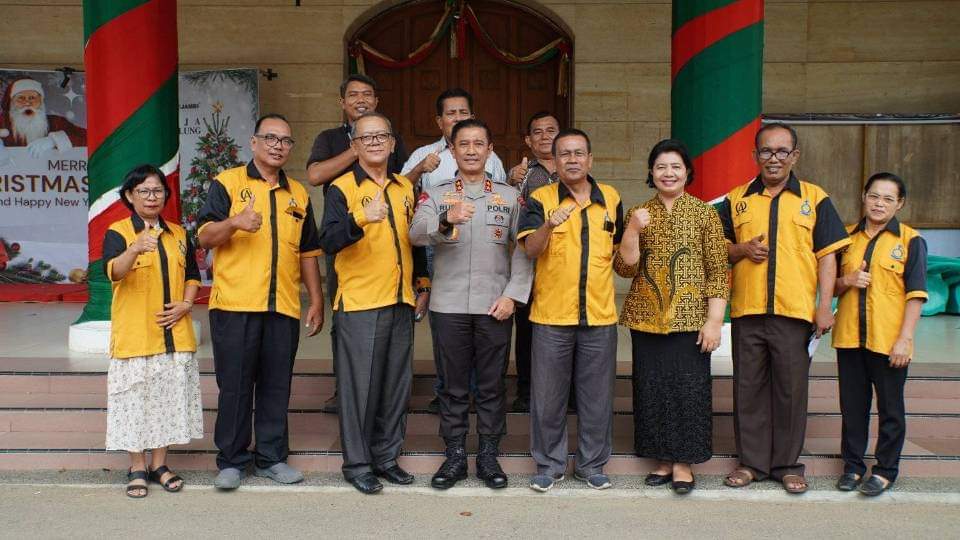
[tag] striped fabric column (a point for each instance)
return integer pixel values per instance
(130, 57)
(717, 90)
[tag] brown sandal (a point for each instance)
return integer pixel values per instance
(740, 477)
(799, 484)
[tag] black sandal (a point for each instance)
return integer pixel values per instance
(157, 474)
(133, 488)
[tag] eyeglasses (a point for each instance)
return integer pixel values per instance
(27, 99)
(766, 153)
(272, 140)
(151, 193)
(876, 197)
(379, 138)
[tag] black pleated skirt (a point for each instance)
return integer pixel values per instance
(672, 398)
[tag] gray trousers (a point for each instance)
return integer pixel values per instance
(374, 374)
(587, 355)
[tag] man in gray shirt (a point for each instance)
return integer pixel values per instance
(471, 222)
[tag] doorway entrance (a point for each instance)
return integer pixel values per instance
(514, 60)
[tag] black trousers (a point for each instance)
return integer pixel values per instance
(770, 385)
(253, 355)
(467, 344)
(860, 372)
(332, 295)
(524, 341)
(374, 374)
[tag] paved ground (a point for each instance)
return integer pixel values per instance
(90, 504)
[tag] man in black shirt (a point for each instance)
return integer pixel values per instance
(332, 156)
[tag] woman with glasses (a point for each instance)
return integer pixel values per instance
(153, 385)
(674, 250)
(882, 287)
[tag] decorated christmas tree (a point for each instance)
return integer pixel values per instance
(216, 151)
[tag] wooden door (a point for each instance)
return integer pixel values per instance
(504, 96)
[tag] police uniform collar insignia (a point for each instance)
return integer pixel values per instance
(488, 186)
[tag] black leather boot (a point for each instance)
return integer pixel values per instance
(454, 468)
(488, 468)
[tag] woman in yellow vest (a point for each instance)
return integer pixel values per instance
(674, 250)
(882, 287)
(153, 386)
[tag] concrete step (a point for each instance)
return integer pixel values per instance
(922, 457)
(16, 388)
(421, 423)
(314, 401)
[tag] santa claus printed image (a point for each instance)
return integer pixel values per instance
(24, 121)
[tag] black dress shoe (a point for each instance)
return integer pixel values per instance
(366, 483)
(681, 487)
(395, 475)
(654, 479)
(849, 482)
(875, 485)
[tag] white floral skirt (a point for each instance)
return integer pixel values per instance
(153, 401)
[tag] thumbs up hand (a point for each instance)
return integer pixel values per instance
(756, 250)
(248, 219)
(376, 210)
(859, 278)
(461, 212)
(518, 172)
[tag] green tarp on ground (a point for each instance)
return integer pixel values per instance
(943, 285)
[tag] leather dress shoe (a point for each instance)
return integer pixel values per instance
(849, 482)
(681, 487)
(874, 486)
(366, 483)
(395, 475)
(654, 479)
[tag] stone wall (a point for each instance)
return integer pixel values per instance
(821, 56)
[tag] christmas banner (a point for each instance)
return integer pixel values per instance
(218, 111)
(43, 163)
(43, 177)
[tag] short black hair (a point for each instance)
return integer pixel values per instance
(901, 186)
(269, 116)
(776, 125)
(139, 175)
(453, 93)
(361, 78)
(471, 123)
(663, 147)
(570, 132)
(370, 114)
(537, 116)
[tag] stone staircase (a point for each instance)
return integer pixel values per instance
(52, 417)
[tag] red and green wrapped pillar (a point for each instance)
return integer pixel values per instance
(130, 58)
(717, 89)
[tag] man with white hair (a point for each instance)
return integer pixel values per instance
(25, 121)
